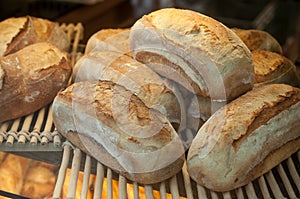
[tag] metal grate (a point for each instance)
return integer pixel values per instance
(282, 181)
(34, 136)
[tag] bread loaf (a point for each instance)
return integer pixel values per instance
(31, 78)
(50, 31)
(15, 34)
(133, 75)
(109, 39)
(258, 40)
(194, 50)
(18, 32)
(112, 125)
(271, 67)
(210, 55)
(246, 138)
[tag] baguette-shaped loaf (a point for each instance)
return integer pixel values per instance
(258, 40)
(194, 50)
(133, 75)
(114, 126)
(246, 138)
(31, 78)
(271, 67)
(109, 39)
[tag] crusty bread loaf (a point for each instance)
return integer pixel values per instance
(15, 34)
(109, 39)
(246, 138)
(133, 75)
(258, 40)
(115, 127)
(203, 107)
(30, 79)
(18, 32)
(271, 67)
(195, 50)
(50, 31)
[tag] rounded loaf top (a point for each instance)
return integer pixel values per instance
(216, 58)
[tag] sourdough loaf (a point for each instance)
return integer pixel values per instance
(195, 47)
(122, 69)
(30, 79)
(109, 39)
(115, 127)
(258, 40)
(246, 138)
(18, 32)
(196, 51)
(271, 67)
(50, 31)
(15, 34)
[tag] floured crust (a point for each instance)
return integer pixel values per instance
(32, 78)
(209, 53)
(49, 31)
(19, 32)
(166, 68)
(117, 123)
(230, 148)
(267, 62)
(16, 33)
(109, 39)
(133, 75)
(271, 67)
(258, 40)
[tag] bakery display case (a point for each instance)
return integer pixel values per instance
(77, 174)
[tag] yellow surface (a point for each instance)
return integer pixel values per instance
(36, 180)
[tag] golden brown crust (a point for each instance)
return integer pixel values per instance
(16, 33)
(153, 59)
(19, 32)
(209, 53)
(109, 39)
(271, 67)
(135, 76)
(104, 34)
(258, 40)
(32, 78)
(104, 92)
(50, 31)
(124, 138)
(231, 148)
